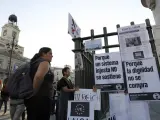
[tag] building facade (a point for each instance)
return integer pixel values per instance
(6, 41)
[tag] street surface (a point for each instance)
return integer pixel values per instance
(6, 116)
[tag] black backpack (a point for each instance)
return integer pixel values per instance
(20, 84)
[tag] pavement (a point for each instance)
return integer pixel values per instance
(6, 116)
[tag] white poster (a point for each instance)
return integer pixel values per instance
(78, 61)
(108, 70)
(119, 104)
(142, 79)
(134, 42)
(124, 109)
(91, 45)
(139, 111)
(89, 95)
(80, 110)
(73, 28)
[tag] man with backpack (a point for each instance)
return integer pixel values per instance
(17, 107)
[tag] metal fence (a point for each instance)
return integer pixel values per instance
(84, 78)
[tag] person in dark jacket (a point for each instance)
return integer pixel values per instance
(66, 89)
(4, 98)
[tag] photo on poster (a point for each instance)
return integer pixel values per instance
(138, 54)
(92, 45)
(133, 41)
(80, 109)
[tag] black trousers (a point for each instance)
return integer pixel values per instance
(38, 108)
(5, 105)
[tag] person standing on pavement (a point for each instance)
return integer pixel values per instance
(66, 89)
(17, 108)
(38, 106)
(4, 97)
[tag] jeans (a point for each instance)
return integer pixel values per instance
(16, 111)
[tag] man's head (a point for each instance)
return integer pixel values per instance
(66, 72)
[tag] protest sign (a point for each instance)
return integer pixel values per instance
(142, 79)
(91, 45)
(108, 70)
(134, 42)
(124, 109)
(89, 95)
(80, 110)
(138, 110)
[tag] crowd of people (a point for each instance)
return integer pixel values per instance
(40, 105)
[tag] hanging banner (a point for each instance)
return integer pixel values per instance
(78, 62)
(92, 45)
(108, 71)
(89, 95)
(134, 42)
(73, 28)
(80, 110)
(142, 79)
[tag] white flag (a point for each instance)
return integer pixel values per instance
(73, 28)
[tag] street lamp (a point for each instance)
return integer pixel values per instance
(11, 46)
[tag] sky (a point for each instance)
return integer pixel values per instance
(44, 23)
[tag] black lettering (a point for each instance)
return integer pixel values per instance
(105, 57)
(138, 85)
(113, 69)
(142, 70)
(100, 70)
(111, 76)
(97, 57)
(130, 78)
(137, 77)
(109, 63)
(139, 63)
(81, 119)
(128, 71)
(97, 64)
(98, 77)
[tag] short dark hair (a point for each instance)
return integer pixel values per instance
(65, 70)
(39, 54)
